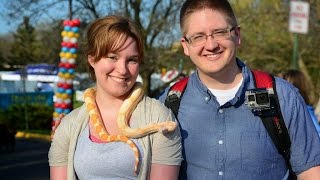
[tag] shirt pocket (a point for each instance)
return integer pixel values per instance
(258, 154)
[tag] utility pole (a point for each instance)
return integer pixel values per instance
(70, 9)
(24, 75)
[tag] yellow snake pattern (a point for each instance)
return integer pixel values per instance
(124, 114)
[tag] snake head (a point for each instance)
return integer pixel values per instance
(168, 127)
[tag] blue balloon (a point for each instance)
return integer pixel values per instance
(67, 28)
(69, 91)
(66, 111)
(71, 71)
(60, 90)
(59, 110)
(73, 50)
(63, 70)
(64, 49)
(75, 29)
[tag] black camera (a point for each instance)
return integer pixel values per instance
(258, 98)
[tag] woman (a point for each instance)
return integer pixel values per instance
(94, 141)
(298, 79)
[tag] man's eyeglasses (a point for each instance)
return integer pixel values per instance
(199, 39)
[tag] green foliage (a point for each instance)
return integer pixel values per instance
(26, 48)
(267, 44)
(39, 117)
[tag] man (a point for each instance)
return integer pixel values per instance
(222, 138)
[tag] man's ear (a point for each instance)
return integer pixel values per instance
(91, 60)
(237, 32)
(184, 44)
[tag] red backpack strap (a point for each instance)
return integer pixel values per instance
(262, 79)
(275, 125)
(174, 95)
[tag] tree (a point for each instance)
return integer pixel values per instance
(5, 46)
(25, 48)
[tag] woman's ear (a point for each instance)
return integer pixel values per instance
(91, 60)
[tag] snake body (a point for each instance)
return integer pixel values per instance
(124, 114)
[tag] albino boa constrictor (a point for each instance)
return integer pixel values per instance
(124, 114)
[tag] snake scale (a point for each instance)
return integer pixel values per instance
(124, 114)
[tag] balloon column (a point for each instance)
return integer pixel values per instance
(64, 93)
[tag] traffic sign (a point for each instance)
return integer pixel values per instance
(299, 17)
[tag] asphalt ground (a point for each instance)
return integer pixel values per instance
(29, 161)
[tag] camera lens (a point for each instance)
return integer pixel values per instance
(262, 98)
(251, 98)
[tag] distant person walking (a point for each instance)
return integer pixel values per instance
(298, 79)
(317, 110)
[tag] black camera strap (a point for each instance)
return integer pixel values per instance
(274, 124)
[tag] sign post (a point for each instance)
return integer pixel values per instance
(298, 23)
(24, 76)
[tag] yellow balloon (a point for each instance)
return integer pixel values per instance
(62, 54)
(74, 56)
(65, 96)
(67, 75)
(59, 95)
(64, 33)
(70, 34)
(60, 74)
(55, 114)
(68, 55)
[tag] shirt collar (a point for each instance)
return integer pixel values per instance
(240, 95)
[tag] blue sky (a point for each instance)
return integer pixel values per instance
(10, 26)
(5, 26)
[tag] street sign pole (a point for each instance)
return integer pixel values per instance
(298, 23)
(294, 62)
(24, 76)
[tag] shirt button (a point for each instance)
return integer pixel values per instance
(220, 111)
(206, 98)
(220, 173)
(220, 142)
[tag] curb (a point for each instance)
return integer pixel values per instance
(26, 135)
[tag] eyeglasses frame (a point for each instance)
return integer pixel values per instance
(212, 35)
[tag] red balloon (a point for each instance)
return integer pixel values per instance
(61, 64)
(63, 106)
(70, 45)
(64, 44)
(76, 22)
(66, 86)
(65, 22)
(68, 65)
(71, 23)
(57, 105)
(59, 84)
